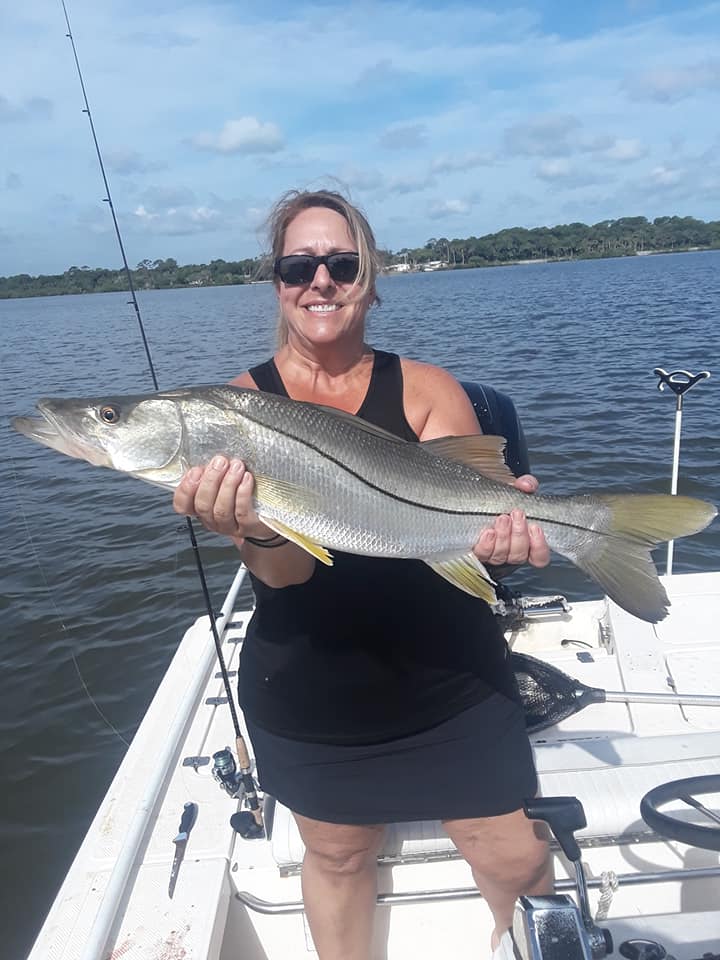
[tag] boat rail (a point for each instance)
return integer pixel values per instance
(94, 948)
(462, 893)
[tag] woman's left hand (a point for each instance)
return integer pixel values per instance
(511, 539)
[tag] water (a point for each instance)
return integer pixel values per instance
(98, 580)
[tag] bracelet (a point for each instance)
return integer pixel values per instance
(269, 543)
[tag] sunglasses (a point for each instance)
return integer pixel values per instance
(300, 268)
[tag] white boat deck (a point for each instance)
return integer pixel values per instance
(114, 903)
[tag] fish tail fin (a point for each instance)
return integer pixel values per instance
(619, 559)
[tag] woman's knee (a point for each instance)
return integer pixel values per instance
(340, 849)
(508, 851)
(523, 869)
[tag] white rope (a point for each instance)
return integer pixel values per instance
(608, 886)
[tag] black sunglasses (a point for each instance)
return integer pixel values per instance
(299, 268)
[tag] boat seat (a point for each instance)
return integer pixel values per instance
(610, 797)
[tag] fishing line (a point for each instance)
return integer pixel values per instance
(108, 199)
(243, 757)
(51, 594)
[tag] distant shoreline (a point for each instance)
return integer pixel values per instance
(389, 272)
(29, 293)
(514, 246)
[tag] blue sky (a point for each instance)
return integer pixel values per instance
(439, 119)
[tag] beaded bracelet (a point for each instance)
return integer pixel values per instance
(269, 543)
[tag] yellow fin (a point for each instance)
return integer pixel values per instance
(320, 553)
(482, 452)
(619, 558)
(284, 495)
(652, 518)
(468, 574)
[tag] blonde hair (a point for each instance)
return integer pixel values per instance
(294, 202)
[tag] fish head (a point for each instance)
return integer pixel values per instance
(139, 435)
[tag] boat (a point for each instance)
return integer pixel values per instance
(637, 867)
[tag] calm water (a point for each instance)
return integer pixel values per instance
(98, 581)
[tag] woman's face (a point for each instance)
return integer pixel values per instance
(322, 311)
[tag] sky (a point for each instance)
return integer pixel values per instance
(439, 119)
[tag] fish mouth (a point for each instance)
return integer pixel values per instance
(55, 433)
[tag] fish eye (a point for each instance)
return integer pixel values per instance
(109, 413)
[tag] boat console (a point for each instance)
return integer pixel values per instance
(554, 927)
(557, 927)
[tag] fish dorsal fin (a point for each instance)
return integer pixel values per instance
(467, 574)
(483, 452)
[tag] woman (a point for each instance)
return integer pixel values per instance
(386, 682)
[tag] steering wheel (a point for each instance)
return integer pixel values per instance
(708, 838)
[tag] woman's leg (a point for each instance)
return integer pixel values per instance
(339, 883)
(509, 856)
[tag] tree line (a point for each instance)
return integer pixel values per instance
(627, 236)
(148, 275)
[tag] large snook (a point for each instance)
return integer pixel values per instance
(326, 479)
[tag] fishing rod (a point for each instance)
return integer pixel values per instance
(679, 381)
(255, 827)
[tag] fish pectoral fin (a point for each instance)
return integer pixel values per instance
(320, 553)
(284, 495)
(482, 452)
(467, 574)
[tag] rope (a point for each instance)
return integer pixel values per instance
(608, 885)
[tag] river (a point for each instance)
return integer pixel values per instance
(98, 581)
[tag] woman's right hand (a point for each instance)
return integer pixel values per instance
(220, 495)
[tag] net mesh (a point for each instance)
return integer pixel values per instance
(548, 695)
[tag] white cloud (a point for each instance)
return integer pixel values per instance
(668, 84)
(407, 136)
(408, 183)
(562, 174)
(665, 176)
(475, 98)
(178, 221)
(383, 73)
(374, 182)
(547, 136)
(625, 150)
(365, 180)
(244, 135)
(125, 162)
(168, 196)
(32, 108)
(453, 163)
(448, 208)
(555, 169)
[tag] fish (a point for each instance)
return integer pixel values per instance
(328, 480)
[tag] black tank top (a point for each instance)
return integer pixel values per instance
(369, 649)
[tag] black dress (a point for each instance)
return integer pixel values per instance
(378, 692)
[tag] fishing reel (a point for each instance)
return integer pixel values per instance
(248, 823)
(226, 773)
